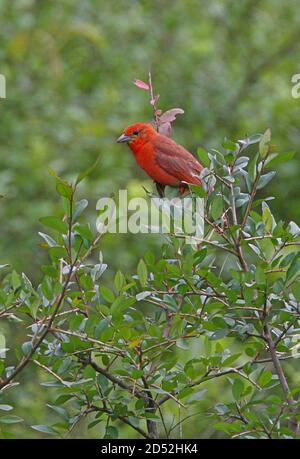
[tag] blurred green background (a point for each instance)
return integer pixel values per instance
(69, 67)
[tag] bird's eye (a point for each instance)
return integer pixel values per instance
(135, 133)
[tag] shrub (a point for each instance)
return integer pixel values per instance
(226, 310)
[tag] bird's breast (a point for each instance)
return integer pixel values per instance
(146, 158)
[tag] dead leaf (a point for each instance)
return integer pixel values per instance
(134, 343)
(170, 115)
(140, 84)
(165, 129)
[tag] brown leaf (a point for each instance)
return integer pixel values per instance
(140, 84)
(165, 129)
(170, 115)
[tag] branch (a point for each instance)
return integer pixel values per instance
(115, 380)
(239, 252)
(235, 370)
(25, 360)
(156, 119)
(125, 419)
(293, 425)
(58, 300)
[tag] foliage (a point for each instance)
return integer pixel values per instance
(158, 341)
(68, 64)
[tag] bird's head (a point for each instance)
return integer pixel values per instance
(136, 133)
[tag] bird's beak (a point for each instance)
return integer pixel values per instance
(124, 138)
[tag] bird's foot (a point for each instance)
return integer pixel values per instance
(160, 189)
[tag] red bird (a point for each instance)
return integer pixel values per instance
(166, 162)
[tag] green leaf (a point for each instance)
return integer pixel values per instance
(3, 266)
(44, 429)
(64, 189)
(196, 396)
(264, 378)
(294, 268)
(121, 304)
(237, 389)
(200, 256)
(267, 217)
(58, 179)
(111, 432)
(66, 364)
(94, 423)
(252, 168)
(260, 276)
(57, 252)
(241, 201)
(280, 158)
(119, 280)
(217, 207)
(6, 407)
(185, 392)
(254, 138)
(221, 409)
(222, 427)
(84, 231)
(279, 230)
(265, 143)
(142, 272)
(229, 360)
(54, 174)
(296, 291)
(229, 145)
(54, 223)
(26, 348)
(10, 419)
(107, 294)
(136, 374)
(203, 157)
(15, 280)
(198, 191)
(103, 324)
(142, 295)
(59, 410)
(218, 334)
(79, 208)
(87, 172)
(49, 240)
(265, 179)
(182, 344)
(149, 258)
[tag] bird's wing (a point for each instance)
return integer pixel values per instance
(176, 160)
